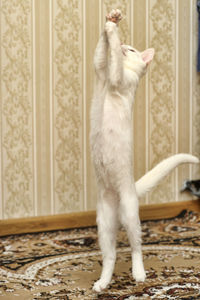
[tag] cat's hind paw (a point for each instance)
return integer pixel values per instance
(114, 16)
(100, 285)
(139, 275)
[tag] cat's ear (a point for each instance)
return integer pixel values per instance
(147, 55)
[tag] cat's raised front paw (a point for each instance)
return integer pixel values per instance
(114, 16)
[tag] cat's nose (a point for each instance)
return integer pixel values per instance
(123, 50)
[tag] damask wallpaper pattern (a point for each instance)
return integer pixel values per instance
(16, 109)
(46, 83)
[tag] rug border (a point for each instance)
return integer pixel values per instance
(88, 218)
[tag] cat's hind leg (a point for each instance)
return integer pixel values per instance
(107, 221)
(129, 215)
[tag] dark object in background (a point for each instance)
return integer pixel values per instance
(192, 186)
(198, 54)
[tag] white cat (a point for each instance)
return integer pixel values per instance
(117, 76)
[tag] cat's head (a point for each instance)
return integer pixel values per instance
(136, 61)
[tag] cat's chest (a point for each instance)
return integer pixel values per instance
(117, 105)
(116, 112)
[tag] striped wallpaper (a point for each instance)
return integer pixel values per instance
(46, 83)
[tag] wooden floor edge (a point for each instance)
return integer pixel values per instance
(85, 219)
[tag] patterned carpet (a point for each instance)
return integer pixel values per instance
(64, 264)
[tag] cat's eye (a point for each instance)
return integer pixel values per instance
(131, 50)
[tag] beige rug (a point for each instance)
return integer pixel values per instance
(65, 264)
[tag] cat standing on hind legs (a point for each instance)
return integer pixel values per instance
(117, 77)
(111, 140)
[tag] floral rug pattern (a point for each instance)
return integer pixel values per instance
(65, 264)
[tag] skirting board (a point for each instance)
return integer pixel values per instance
(85, 219)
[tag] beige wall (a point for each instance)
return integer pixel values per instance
(46, 81)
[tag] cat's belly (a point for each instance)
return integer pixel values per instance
(112, 156)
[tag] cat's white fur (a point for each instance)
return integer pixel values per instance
(117, 77)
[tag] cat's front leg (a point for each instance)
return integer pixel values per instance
(110, 28)
(115, 75)
(100, 56)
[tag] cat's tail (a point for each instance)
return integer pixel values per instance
(154, 176)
